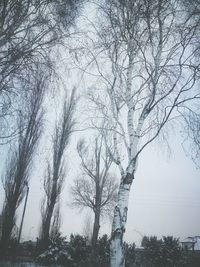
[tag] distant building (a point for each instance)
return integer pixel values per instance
(191, 243)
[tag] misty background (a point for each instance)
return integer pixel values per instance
(165, 196)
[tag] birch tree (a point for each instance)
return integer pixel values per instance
(147, 75)
(192, 133)
(192, 116)
(96, 189)
(56, 172)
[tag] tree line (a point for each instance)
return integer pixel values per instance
(141, 61)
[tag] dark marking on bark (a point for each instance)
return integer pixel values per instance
(125, 214)
(115, 233)
(128, 178)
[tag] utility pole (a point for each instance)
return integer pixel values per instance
(20, 229)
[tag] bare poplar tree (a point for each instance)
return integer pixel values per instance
(56, 223)
(19, 163)
(96, 189)
(87, 227)
(56, 173)
(29, 29)
(145, 58)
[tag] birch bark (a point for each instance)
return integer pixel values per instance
(119, 223)
(153, 71)
(120, 212)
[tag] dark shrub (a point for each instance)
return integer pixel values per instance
(79, 250)
(129, 254)
(165, 252)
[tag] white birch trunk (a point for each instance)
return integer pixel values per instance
(119, 223)
(120, 214)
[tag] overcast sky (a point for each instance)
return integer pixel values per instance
(164, 199)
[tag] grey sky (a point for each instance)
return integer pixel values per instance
(164, 200)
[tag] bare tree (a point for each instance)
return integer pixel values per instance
(145, 60)
(87, 227)
(96, 189)
(19, 163)
(56, 173)
(29, 29)
(56, 223)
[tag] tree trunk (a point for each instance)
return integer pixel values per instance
(49, 212)
(46, 225)
(96, 226)
(119, 223)
(7, 224)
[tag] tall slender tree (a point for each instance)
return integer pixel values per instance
(19, 163)
(56, 173)
(29, 29)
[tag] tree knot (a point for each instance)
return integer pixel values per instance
(128, 178)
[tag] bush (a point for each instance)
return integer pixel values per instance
(129, 254)
(10, 249)
(102, 252)
(165, 252)
(55, 253)
(79, 250)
